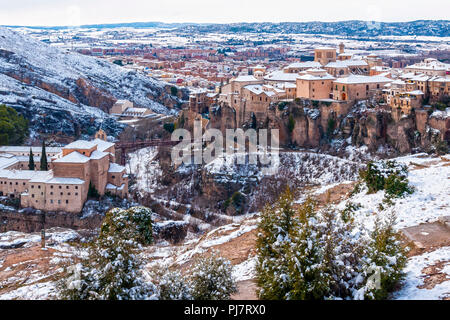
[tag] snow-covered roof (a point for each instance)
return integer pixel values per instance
(281, 76)
(258, 89)
(102, 145)
(114, 167)
(26, 149)
(80, 144)
(26, 175)
(347, 63)
(96, 155)
(245, 78)
(62, 180)
(355, 79)
(110, 186)
(73, 157)
(304, 65)
(415, 92)
(309, 76)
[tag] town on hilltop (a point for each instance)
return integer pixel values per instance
(348, 198)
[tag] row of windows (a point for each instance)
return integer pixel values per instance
(51, 201)
(51, 193)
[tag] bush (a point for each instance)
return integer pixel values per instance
(386, 175)
(211, 278)
(111, 271)
(169, 127)
(134, 224)
(440, 147)
(291, 124)
(172, 285)
(386, 253)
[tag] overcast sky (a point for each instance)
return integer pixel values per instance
(78, 12)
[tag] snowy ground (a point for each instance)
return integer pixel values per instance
(427, 273)
(143, 165)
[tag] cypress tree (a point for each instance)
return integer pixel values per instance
(31, 161)
(44, 166)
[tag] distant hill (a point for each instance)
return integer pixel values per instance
(438, 28)
(69, 93)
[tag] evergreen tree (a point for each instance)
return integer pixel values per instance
(306, 268)
(92, 191)
(111, 271)
(273, 246)
(134, 223)
(31, 161)
(386, 259)
(211, 278)
(44, 165)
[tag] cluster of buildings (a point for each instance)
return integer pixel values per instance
(333, 76)
(125, 110)
(72, 171)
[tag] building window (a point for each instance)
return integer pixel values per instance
(76, 193)
(51, 201)
(61, 193)
(51, 193)
(67, 201)
(113, 177)
(39, 186)
(32, 186)
(76, 187)
(32, 195)
(59, 201)
(68, 193)
(60, 187)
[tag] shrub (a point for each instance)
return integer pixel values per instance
(111, 271)
(134, 223)
(172, 285)
(211, 278)
(386, 175)
(386, 253)
(291, 123)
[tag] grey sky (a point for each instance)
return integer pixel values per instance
(76, 12)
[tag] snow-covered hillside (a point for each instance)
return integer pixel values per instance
(38, 79)
(427, 270)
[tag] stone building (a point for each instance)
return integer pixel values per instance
(65, 186)
(356, 87)
(315, 84)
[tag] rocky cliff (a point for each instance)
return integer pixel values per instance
(312, 124)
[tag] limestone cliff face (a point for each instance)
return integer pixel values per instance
(306, 125)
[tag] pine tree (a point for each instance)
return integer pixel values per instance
(111, 271)
(386, 259)
(31, 161)
(272, 246)
(306, 268)
(44, 165)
